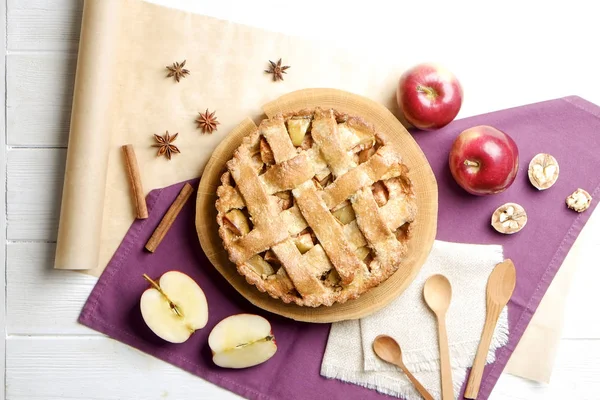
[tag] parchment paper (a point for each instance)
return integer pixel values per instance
(227, 63)
(122, 96)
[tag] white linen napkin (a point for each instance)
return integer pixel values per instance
(349, 355)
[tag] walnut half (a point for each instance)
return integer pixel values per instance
(509, 218)
(579, 200)
(543, 171)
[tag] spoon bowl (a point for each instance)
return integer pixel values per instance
(389, 350)
(437, 293)
(502, 282)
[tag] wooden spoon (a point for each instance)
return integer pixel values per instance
(500, 287)
(389, 350)
(438, 293)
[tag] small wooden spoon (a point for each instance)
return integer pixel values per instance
(389, 350)
(500, 287)
(438, 293)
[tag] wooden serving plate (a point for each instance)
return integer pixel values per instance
(420, 173)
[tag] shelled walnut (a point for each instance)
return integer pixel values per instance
(543, 171)
(509, 218)
(579, 200)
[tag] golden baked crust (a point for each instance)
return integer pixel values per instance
(315, 207)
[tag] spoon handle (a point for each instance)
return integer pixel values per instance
(420, 388)
(446, 370)
(491, 319)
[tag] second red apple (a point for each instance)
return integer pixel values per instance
(484, 160)
(429, 96)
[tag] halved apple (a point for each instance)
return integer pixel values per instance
(242, 341)
(174, 307)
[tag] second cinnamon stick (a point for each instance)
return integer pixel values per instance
(135, 181)
(168, 219)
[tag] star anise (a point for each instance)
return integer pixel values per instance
(277, 70)
(177, 71)
(207, 122)
(165, 148)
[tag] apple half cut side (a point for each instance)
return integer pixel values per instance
(174, 307)
(242, 341)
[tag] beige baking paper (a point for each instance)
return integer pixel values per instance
(122, 96)
(128, 99)
(82, 207)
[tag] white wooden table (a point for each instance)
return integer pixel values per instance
(506, 54)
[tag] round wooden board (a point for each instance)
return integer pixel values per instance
(420, 173)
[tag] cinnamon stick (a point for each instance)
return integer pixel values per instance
(166, 222)
(135, 182)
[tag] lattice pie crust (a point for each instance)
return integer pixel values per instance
(316, 207)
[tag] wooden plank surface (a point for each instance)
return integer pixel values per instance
(41, 300)
(49, 356)
(3, 255)
(39, 96)
(575, 376)
(58, 368)
(43, 24)
(100, 368)
(33, 192)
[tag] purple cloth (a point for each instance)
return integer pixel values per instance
(567, 128)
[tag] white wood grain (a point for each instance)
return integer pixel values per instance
(510, 59)
(39, 299)
(39, 95)
(3, 255)
(43, 24)
(100, 368)
(96, 368)
(34, 187)
(582, 318)
(575, 376)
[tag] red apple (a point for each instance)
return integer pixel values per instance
(429, 96)
(484, 160)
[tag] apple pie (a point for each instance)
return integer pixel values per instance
(316, 207)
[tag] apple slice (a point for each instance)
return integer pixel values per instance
(271, 258)
(380, 193)
(242, 341)
(333, 279)
(260, 266)
(304, 242)
(365, 154)
(236, 222)
(363, 252)
(266, 154)
(297, 128)
(285, 200)
(345, 214)
(174, 307)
